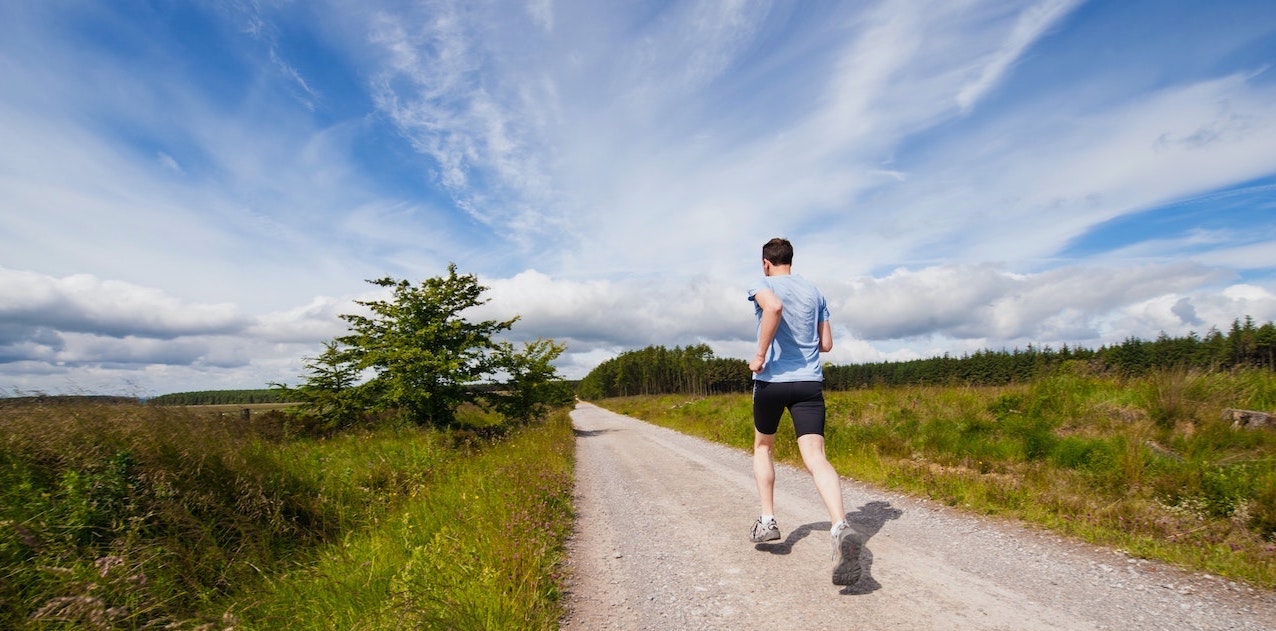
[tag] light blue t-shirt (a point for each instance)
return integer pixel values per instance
(795, 353)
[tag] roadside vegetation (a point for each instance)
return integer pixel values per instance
(477, 542)
(124, 516)
(1145, 464)
(422, 480)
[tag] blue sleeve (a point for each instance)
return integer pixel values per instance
(758, 286)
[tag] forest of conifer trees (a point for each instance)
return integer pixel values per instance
(221, 397)
(660, 370)
(695, 370)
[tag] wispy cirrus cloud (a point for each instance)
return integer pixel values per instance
(1030, 25)
(451, 94)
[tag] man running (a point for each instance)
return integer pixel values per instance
(793, 329)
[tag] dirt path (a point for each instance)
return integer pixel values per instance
(661, 543)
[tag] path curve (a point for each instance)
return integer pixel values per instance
(661, 543)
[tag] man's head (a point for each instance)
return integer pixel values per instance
(778, 251)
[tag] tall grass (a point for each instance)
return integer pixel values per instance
(123, 515)
(477, 547)
(127, 516)
(1147, 465)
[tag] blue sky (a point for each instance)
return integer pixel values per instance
(191, 192)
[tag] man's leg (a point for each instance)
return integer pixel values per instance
(846, 547)
(764, 470)
(827, 483)
(809, 415)
(768, 407)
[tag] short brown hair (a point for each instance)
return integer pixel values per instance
(779, 251)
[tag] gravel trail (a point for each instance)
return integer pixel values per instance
(661, 543)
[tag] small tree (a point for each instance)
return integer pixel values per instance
(532, 386)
(425, 358)
(330, 390)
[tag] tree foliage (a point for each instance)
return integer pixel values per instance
(532, 385)
(330, 390)
(418, 357)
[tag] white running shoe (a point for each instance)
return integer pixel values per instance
(846, 555)
(764, 531)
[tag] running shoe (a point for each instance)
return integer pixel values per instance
(846, 555)
(764, 531)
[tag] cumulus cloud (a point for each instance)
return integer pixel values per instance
(311, 323)
(988, 302)
(83, 303)
(626, 313)
(86, 329)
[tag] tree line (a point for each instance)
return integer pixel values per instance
(1245, 345)
(695, 370)
(222, 397)
(659, 370)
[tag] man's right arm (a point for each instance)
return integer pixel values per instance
(772, 309)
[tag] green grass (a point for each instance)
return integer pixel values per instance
(1145, 465)
(122, 516)
(478, 546)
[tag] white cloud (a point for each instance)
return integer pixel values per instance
(629, 313)
(1261, 255)
(990, 303)
(309, 324)
(82, 333)
(84, 303)
(439, 87)
(1022, 187)
(542, 13)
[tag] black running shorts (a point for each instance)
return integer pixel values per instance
(803, 399)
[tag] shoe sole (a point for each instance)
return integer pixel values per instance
(847, 569)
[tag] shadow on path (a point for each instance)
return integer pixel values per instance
(786, 546)
(865, 523)
(587, 433)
